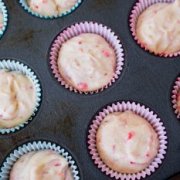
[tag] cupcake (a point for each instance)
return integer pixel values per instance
(44, 164)
(176, 97)
(86, 57)
(126, 142)
(18, 98)
(156, 26)
(87, 62)
(49, 8)
(20, 94)
(39, 160)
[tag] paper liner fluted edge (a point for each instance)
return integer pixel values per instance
(5, 17)
(144, 112)
(25, 6)
(137, 9)
(25, 148)
(14, 65)
(175, 90)
(77, 29)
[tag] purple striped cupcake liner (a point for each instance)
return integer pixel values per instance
(175, 96)
(138, 8)
(142, 111)
(80, 28)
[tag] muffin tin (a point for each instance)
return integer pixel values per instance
(64, 117)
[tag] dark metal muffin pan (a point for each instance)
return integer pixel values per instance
(64, 116)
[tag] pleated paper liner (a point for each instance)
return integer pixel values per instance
(13, 65)
(137, 10)
(142, 111)
(18, 152)
(26, 7)
(176, 96)
(75, 30)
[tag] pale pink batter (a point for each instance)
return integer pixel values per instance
(41, 165)
(158, 28)
(87, 62)
(17, 98)
(51, 7)
(126, 142)
(1, 20)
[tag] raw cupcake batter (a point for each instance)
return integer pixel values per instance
(126, 142)
(51, 7)
(158, 28)
(1, 20)
(17, 98)
(41, 165)
(87, 62)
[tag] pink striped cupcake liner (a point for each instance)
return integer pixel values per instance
(77, 29)
(144, 112)
(175, 92)
(139, 7)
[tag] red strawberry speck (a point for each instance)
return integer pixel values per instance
(106, 53)
(57, 164)
(83, 86)
(130, 135)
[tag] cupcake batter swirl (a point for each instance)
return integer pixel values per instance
(158, 28)
(126, 142)
(51, 7)
(87, 62)
(17, 98)
(41, 165)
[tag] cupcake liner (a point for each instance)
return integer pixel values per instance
(175, 90)
(143, 112)
(8, 163)
(139, 7)
(5, 17)
(18, 66)
(28, 9)
(77, 29)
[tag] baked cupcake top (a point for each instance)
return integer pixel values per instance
(87, 62)
(18, 98)
(41, 165)
(51, 7)
(158, 28)
(126, 142)
(1, 20)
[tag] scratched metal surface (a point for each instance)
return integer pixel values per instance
(64, 116)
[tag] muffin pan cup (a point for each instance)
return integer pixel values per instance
(176, 89)
(13, 65)
(8, 163)
(77, 29)
(144, 112)
(138, 8)
(24, 4)
(5, 17)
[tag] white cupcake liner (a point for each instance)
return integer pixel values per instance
(5, 17)
(28, 9)
(175, 90)
(8, 163)
(86, 27)
(13, 65)
(137, 10)
(143, 112)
